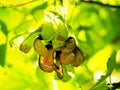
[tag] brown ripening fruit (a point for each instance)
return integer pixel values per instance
(69, 45)
(79, 58)
(40, 47)
(46, 63)
(67, 58)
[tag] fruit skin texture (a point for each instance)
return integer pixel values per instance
(67, 58)
(46, 63)
(40, 47)
(79, 58)
(69, 45)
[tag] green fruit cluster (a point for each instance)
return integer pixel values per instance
(51, 59)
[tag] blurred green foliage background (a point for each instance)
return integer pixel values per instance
(95, 26)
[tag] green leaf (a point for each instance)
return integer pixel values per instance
(3, 47)
(11, 17)
(23, 27)
(57, 44)
(103, 86)
(41, 7)
(3, 27)
(66, 77)
(102, 79)
(3, 54)
(60, 17)
(38, 15)
(28, 42)
(48, 32)
(62, 31)
(111, 63)
(110, 67)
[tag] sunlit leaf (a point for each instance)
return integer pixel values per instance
(62, 31)
(23, 27)
(111, 63)
(102, 79)
(3, 47)
(41, 7)
(3, 54)
(103, 86)
(66, 77)
(11, 17)
(39, 15)
(110, 67)
(48, 32)
(3, 27)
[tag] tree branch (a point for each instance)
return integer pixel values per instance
(13, 6)
(99, 3)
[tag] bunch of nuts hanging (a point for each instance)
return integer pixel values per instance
(51, 59)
